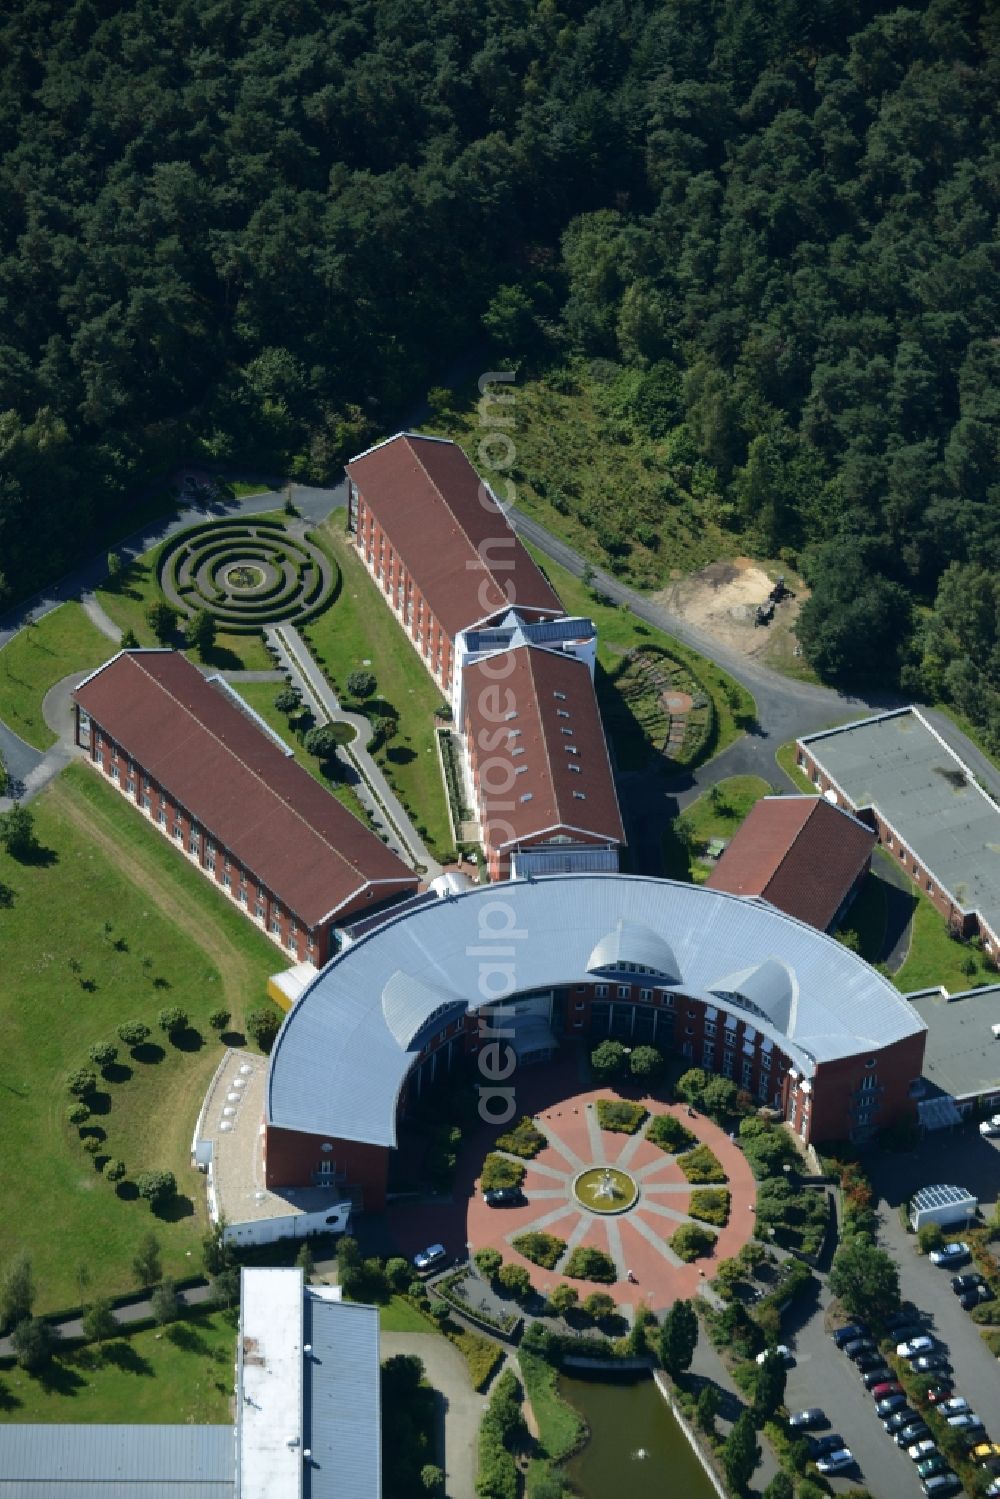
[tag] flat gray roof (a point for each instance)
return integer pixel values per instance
(899, 764)
(963, 1055)
(122, 1462)
(344, 1050)
(341, 1411)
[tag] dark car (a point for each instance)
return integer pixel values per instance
(917, 1431)
(930, 1363)
(968, 1282)
(865, 1362)
(891, 1405)
(907, 1313)
(875, 1377)
(899, 1419)
(858, 1345)
(820, 1446)
(906, 1331)
(503, 1197)
(975, 1297)
(808, 1419)
(848, 1334)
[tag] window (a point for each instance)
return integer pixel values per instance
(114, 773)
(765, 1061)
(178, 831)
(520, 770)
(710, 1027)
(210, 863)
(147, 804)
(601, 990)
(727, 1064)
(276, 925)
(567, 732)
(689, 1030)
(708, 1057)
(243, 896)
(578, 1005)
(560, 695)
(579, 796)
(511, 715)
(227, 881)
(576, 770)
(687, 1048)
(292, 938)
(746, 1073)
(623, 991)
(194, 843)
(518, 749)
(645, 993)
(259, 911)
(161, 818)
(311, 944)
(668, 1000)
(870, 1062)
(561, 713)
(868, 1082)
(131, 785)
(99, 757)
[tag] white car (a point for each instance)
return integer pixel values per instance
(954, 1405)
(842, 1458)
(923, 1449)
(990, 1127)
(783, 1352)
(964, 1420)
(914, 1347)
(427, 1259)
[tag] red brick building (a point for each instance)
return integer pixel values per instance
(438, 545)
(802, 854)
(285, 851)
(540, 770)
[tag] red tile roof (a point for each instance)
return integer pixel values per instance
(801, 853)
(448, 530)
(299, 841)
(549, 725)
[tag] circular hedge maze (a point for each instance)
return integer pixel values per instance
(247, 574)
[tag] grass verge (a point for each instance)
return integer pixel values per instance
(561, 1430)
(716, 814)
(400, 1315)
(181, 1374)
(172, 941)
(37, 658)
(785, 757)
(359, 630)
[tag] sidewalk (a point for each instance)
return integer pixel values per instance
(131, 1311)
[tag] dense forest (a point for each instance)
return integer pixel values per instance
(258, 233)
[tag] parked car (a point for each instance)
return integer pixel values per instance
(782, 1350)
(847, 1334)
(928, 1466)
(985, 1451)
(915, 1347)
(429, 1258)
(939, 1393)
(942, 1485)
(994, 1489)
(975, 1297)
(891, 1387)
(968, 1282)
(823, 1446)
(917, 1431)
(837, 1461)
(954, 1253)
(964, 1421)
(990, 1126)
(875, 1377)
(907, 1313)
(857, 1346)
(866, 1362)
(921, 1449)
(891, 1406)
(907, 1331)
(931, 1363)
(503, 1197)
(954, 1405)
(808, 1419)
(900, 1420)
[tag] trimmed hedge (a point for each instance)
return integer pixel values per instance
(701, 1165)
(621, 1117)
(691, 1241)
(711, 1205)
(525, 1139)
(541, 1249)
(499, 1172)
(502, 1423)
(670, 1134)
(591, 1264)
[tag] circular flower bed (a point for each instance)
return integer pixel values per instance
(605, 1189)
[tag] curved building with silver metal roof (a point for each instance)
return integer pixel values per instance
(346, 1048)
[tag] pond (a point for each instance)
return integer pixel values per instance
(627, 1418)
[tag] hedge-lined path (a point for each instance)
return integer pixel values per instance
(125, 1314)
(636, 1240)
(458, 1409)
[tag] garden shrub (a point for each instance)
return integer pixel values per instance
(540, 1248)
(701, 1165)
(591, 1264)
(499, 1172)
(669, 1134)
(690, 1241)
(711, 1205)
(525, 1139)
(615, 1114)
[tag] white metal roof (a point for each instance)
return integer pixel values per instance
(339, 1061)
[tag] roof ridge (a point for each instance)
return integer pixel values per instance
(447, 505)
(227, 749)
(803, 824)
(556, 807)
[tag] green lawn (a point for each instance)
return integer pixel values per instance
(39, 657)
(716, 814)
(561, 1430)
(785, 757)
(936, 958)
(103, 863)
(260, 696)
(183, 1373)
(400, 1315)
(137, 587)
(359, 627)
(618, 632)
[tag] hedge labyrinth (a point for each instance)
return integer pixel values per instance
(247, 574)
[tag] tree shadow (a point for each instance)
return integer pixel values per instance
(90, 985)
(120, 944)
(161, 983)
(99, 1103)
(188, 1039)
(118, 1072)
(37, 856)
(398, 754)
(127, 1191)
(60, 1378)
(222, 658)
(184, 1336)
(93, 1132)
(178, 1208)
(8, 1400)
(148, 1053)
(122, 1354)
(233, 1038)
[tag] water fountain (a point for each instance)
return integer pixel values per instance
(605, 1189)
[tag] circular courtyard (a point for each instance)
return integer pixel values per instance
(591, 1187)
(247, 574)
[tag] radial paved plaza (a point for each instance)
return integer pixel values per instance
(636, 1238)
